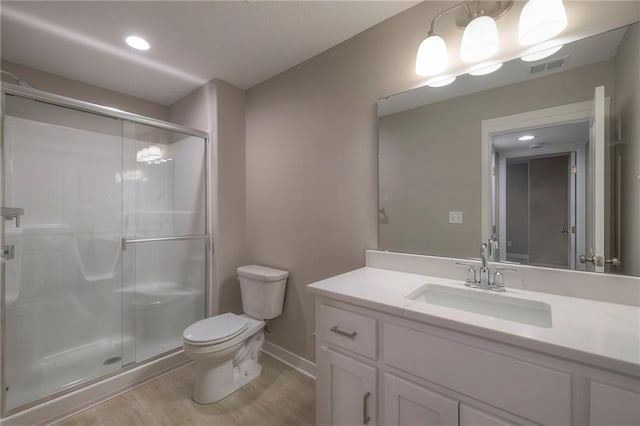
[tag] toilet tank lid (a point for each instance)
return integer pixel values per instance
(263, 273)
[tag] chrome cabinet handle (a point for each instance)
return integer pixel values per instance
(336, 330)
(365, 408)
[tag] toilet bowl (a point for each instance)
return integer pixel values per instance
(225, 347)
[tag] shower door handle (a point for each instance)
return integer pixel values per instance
(126, 242)
(10, 213)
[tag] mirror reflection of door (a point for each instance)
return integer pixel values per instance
(540, 194)
(539, 203)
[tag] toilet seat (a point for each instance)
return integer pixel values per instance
(215, 330)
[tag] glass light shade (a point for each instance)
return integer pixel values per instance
(479, 40)
(441, 80)
(540, 52)
(541, 20)
(485, 68)
(432, 57)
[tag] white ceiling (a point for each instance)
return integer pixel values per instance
(570, 133)
(240, 42)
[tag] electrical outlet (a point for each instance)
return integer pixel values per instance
(455, 217)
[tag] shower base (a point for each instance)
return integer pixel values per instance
(58, 407)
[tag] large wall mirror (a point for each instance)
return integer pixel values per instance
(540, 159)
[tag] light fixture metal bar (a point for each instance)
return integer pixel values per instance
(501, 7)
(432, 28)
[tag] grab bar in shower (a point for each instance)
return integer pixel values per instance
(126, 242)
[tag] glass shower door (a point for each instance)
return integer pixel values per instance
(165, 238)
(62, 220)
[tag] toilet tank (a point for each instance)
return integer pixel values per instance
(262, 290)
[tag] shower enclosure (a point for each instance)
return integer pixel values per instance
(105, 242)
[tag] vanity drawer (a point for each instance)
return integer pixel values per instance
(524, 389)
(347, 330)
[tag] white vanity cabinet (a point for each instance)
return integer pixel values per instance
(351, 390)
(379, 368)
(406, 403)
(612, 405)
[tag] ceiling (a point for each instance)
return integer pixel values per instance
(570, 133)
(240, 42)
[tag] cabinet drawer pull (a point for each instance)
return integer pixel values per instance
(336, 330)
(365, 408)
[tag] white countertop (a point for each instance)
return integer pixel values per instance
(606, 335)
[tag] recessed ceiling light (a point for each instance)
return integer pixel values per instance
(526, 138)
(137, 43)
(441, 80)
(484, 69)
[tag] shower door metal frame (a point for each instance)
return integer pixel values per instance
(70, 103)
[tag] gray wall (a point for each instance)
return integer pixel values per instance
(430, 159)
(312, 167)
(85, 92)
(220, 108)
(627, 107)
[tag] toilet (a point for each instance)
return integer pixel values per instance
(225, 347)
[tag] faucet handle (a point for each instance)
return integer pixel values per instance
(471, 272)
(498, 278)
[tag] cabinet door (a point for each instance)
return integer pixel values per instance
(407, 404)
(346, 390)
(613, 406)
(471, 416)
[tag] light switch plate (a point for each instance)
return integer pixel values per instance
(455, 217)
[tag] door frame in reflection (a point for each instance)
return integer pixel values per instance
(547, 117)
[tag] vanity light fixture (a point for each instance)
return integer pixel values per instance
(137, 42)
(480, 39)
(526, 138)
(441, 81)
(485, 68)
(432, 58)
(540, 20)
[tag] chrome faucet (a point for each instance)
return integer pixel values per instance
(484, 269)
(482, 279)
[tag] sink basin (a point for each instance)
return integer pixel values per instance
(487, 303)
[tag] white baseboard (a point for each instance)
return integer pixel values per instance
(67, 405)
(294, 361)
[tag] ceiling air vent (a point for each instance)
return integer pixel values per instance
(548, 67)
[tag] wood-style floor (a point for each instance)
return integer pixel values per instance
(280, 396)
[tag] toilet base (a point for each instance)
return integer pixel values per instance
(220, 377)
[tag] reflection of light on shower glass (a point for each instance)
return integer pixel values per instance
(153, 154)
(130, 175)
